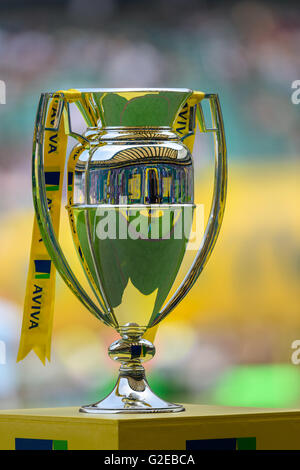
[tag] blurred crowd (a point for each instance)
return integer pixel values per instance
(246, 51)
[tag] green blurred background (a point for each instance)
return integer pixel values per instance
(230, 341)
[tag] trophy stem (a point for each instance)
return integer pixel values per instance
(132, 393)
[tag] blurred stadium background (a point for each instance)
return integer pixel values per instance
(229, 342)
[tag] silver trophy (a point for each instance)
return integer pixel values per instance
(131, 207)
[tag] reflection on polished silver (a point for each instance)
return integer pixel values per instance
(135, 167)
(132, 157)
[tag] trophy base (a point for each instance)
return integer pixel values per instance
(131, 395)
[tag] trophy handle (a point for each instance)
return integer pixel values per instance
(217, 208)
(41, 206)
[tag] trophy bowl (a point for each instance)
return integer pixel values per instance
(130, 206)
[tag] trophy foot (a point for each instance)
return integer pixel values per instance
(131, 394)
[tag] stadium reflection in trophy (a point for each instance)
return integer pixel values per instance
(131, 206)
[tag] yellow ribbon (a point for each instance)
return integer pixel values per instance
(40, 290)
